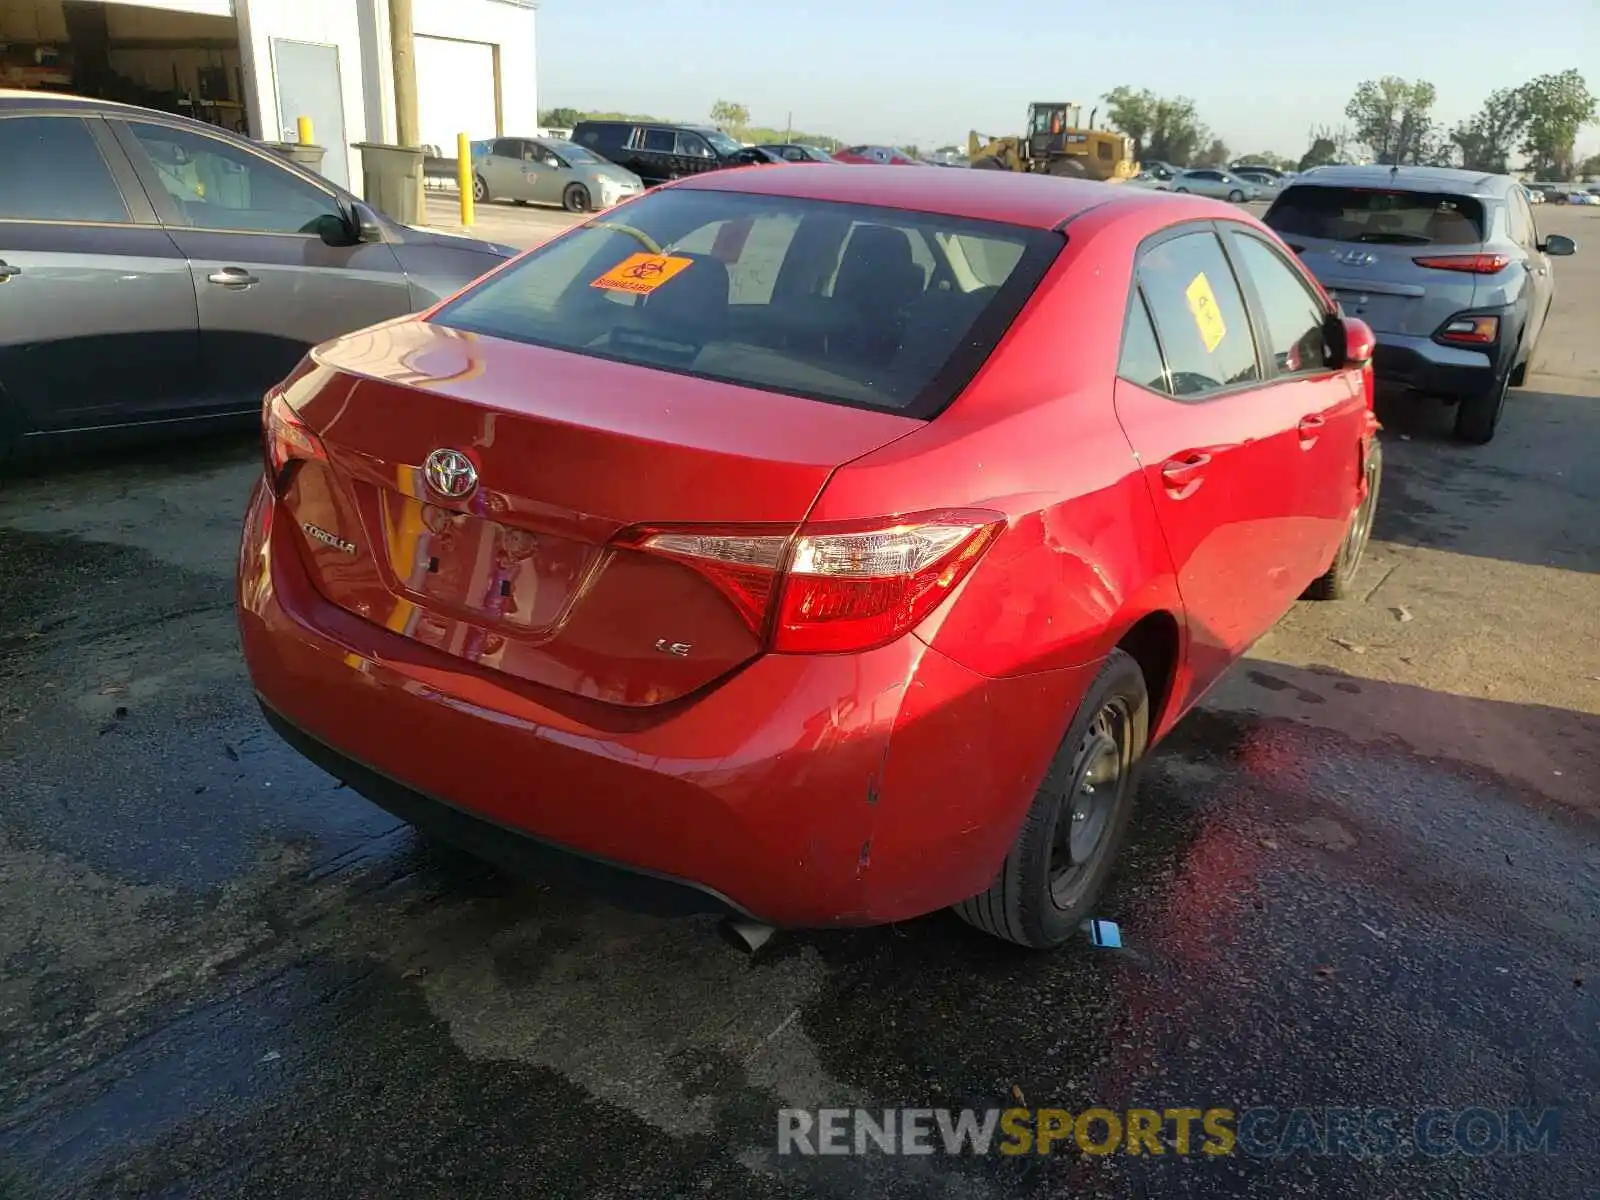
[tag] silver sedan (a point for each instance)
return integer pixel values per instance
(546, 171)
(1219, 184)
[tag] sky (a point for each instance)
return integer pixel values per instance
(924, 72)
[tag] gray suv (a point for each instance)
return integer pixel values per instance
(1446, 266)
(156, 270)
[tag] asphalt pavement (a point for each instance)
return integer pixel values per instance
(1366, 874)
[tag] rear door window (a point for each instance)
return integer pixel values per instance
(847, 303)
(1295, 315)
(51, 170)
(659, 141)
(1199, 314)
(1377, 216)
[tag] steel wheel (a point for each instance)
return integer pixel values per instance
(480, 189)
(1099, 776)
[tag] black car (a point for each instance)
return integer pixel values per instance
(657, 153)
(794, 152)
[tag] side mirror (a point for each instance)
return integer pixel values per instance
(1558, 245)
(1351, 342)
(334, 230)
(365, 223)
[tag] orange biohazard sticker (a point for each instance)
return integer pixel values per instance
(642, 273)
(1207, 316)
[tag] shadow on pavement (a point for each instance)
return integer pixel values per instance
(1530, 496)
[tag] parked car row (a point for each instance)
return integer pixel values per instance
(1200, 181)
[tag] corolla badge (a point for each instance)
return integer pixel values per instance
(450, 473)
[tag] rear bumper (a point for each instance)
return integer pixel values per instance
(802, 790)
(1423, 365)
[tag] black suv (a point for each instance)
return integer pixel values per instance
(657, 153)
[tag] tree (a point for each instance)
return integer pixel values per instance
(1590, 167)
(1328, 145)
(560, 118)
(1486, 141)
(1392, 118)
(1163, 129)
(1214, 155)
(729, 116)
(1133, 113)
(1267, 159)
(1557, 106)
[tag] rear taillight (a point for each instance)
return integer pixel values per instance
(1471, 264)
(285, 440)
(833, 587)
(1470, 331)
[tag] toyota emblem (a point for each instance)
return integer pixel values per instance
(451, 474)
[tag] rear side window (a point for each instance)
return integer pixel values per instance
(660, 141)
(603, 137)
(1199, 314)
(1141, 354)
(849, 303)
(65, 178)
(1376, 216)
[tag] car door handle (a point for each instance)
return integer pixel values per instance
(234, 277)
(1180, 476)
(7, 271)
(1311, 427)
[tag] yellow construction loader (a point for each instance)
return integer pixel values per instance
(1057, 143)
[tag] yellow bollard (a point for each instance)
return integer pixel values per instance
(303, 125)
(464, 178)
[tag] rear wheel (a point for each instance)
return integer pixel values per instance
(1339, 579)
(988, 164)
(1236, 197)
(1184, 191)
(1477, 417)
(576, 198)
(1063, 854)
(480, 189)
(1067, 167)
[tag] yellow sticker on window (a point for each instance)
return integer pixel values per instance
(642, 273)
(1207, 316)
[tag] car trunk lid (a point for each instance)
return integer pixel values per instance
(520, 574)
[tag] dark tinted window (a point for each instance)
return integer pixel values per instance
(1294, 313)
(216, 185)
(1141, 355)
(51, 170)
(603, 137)
(1199, 314)
(879, 308)
(660, 141)
(1376, 216)
(505, 148)
(694, 146)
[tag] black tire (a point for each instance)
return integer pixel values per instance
(988, 164)
(480, 190)
(1067, 167)
(1477, 417)
(576, 198)
(1337, 582)
(1045, 890)
(1236, 197)
(1181, 191)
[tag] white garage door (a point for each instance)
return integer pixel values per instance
(455, 91)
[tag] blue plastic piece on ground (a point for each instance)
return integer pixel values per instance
(1104, 934)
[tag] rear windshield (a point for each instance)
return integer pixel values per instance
(1376, 216)
(877, 308)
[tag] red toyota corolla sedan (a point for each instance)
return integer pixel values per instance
(829, 547)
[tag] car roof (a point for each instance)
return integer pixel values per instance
(42, 99)
(1014, 197)
(1430, 179)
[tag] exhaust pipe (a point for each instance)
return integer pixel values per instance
(745, 935)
